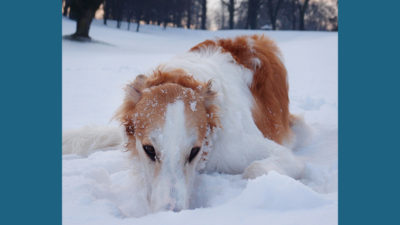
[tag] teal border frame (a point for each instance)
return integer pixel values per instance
(30, 93)
(369, 112)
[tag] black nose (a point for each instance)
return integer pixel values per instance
(176, 209)
(172, 208)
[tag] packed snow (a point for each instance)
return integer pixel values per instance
(105, 187)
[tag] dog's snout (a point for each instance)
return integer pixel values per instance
(169, 206)
(176, 209)
(170, 194)
(173, 193)
(172, 207)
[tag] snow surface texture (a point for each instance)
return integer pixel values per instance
(104, 188)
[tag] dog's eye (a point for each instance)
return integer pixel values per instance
(193, 153)
(150, 152)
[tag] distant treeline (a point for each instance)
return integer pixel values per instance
(233, 14)
(278, 14)
(178, 13)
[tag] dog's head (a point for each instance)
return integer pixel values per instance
(167, 118)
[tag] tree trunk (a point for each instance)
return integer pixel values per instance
(203, 14)
(301, 21)
(189, 14)
(138, 26)
(222, 15)
(129, 18)
(105, 17)
(83, 25)
(231, 8)
(273, 12)
(83, 13)
(178, 19)
(293, 7)
(165, 23)
(252, 13)
(138, 22)
(302, 11)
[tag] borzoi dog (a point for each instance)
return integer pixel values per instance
(221, 107)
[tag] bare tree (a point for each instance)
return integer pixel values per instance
(83, 12)
(164, 10)
(230, 4)
(222, 16)
(179, 7)
(203, 14)
(189, 10)
(117, 11)
(253, 7)
(303, 5)
(130, 5)
(141, 10)
(321, 16)
(273, 10)
(107, 11)
(292, 8)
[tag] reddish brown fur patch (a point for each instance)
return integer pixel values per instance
(180, 77)
(269, 86)
(146, 100)
(177, 76)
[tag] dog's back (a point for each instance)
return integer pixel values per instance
(269, 83)
(252, 96)
(251, 83)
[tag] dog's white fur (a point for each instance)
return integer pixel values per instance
(239, 143)
(238, 147)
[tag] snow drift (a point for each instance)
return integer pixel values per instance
(105, 187)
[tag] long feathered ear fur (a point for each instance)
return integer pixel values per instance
(209, 96)
(133, 93)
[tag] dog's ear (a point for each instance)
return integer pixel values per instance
(209, 96)
(133, 93)
(134, 89)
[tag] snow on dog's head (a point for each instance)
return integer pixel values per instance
(167, 118)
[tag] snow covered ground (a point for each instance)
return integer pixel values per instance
(104, 188)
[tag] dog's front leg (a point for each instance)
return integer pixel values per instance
(281, 160)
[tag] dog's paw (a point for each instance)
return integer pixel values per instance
(259, 168)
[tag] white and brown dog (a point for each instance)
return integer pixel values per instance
(221, 107)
